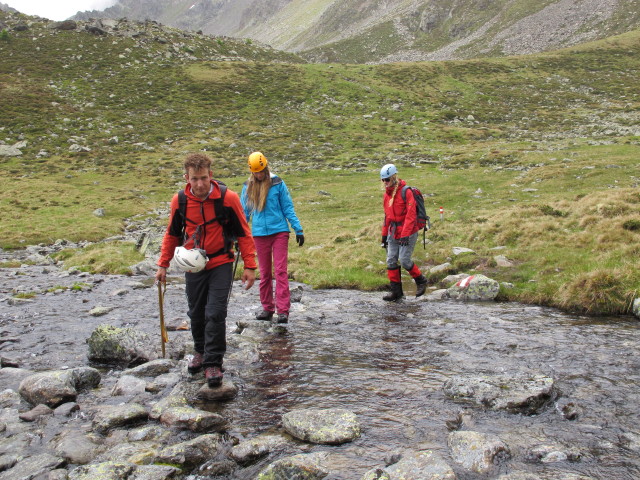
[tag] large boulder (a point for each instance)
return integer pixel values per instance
(329, 426)
(305, 466)
(517, 393)
(56, 387)
(474, 288)
(423, 464)
(120, 346)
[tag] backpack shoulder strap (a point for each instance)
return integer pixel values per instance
(218, 203)
(403, 192)
(182, 203)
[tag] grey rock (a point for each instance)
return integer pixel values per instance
(459, 250)
(474, 288)
(152, 368)
(193, 419)
(190, 453)
(517, 393)
(77, 447)
(305, 466)
(128, 385)
(226, 391)
(110, 417)
(35, 413)
(636, 307)
(324, 426)
(56, 387)
(32, 467)
(475, 451)
(120, 346)
(413, 465)
(254, 448)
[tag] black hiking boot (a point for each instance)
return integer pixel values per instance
(282, 318)
(395, 294)
(264, 315)
(421, 285)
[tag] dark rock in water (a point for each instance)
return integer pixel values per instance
(35, 413)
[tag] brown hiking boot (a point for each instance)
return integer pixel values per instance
(195, 365)
(264, 315)
(213, 376)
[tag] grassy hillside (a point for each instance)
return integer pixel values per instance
(536, 154)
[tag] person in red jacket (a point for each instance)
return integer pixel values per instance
(399, 233)
(203, 249)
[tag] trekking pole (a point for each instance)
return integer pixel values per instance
(163, 331)
(233, 275)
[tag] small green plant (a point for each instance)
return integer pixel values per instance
(25, 295)
(4, 35)
(548, 210)
(632, 225)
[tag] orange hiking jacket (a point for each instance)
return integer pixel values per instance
(211, 239)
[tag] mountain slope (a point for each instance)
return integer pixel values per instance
(361, 31)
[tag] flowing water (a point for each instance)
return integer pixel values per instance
(385, 362)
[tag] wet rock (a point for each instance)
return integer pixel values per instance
(474, 288)
(193, 419)
(7, 461)
(190, 453)
(636, 307)
(17, 301)
(120, 346)
(518, 393)
(35, 413)
(296, 294)
(118, 416)
(8, 362)
(226, 391)
(32, 467)
(305, 466)
(569, 410)
(329, 426)
(56, 387)
(129, 385)
(103, 471)
(140, 453)
(552, 454)
(217, 467)
(152, 368)
(177, 398)
(476, 451)
(66, 409)
(252, 449)
(424, 464)
(77, 447)
(148, 433)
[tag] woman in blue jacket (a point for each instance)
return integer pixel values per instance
(265, 197)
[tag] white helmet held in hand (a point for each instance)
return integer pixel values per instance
(191, 261)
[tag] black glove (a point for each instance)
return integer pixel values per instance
(384, 243)
(300, 239)
(403, 241)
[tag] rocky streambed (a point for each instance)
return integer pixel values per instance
(353, 388)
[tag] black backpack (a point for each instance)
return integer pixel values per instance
(225, 216)
(423, 220)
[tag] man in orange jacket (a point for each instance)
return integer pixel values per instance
(200, 231)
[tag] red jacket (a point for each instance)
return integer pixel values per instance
(199, 212)
(400, 218)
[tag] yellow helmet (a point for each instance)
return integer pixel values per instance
(257, 162)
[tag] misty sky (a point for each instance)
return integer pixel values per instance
(57, 9)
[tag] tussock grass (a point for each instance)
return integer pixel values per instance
(107, 258)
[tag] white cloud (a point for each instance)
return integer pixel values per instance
(57, 10)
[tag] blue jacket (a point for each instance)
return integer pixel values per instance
(277, 211)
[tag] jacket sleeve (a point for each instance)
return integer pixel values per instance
(247, 247)
(385, 224)
(243, 201)
(410, 219)
(286, 203)
(169, 241)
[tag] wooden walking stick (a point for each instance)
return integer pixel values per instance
(163, 331)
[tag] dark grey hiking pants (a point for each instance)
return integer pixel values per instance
(207, 293)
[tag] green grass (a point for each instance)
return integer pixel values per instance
(535, 153)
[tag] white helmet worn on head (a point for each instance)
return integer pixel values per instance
(190, 261)
(388, 170)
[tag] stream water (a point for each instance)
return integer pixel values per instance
(385, 362)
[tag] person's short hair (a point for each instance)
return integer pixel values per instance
(197, 161)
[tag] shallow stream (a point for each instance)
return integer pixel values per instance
(385, 362)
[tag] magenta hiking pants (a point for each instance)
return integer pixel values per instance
(273, 251)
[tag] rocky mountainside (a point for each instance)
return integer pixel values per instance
(361, 31)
